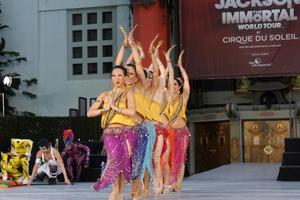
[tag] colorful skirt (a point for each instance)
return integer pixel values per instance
(119, 144)
(168, 138)
(147, 163)
(182, 139)
(140, 150)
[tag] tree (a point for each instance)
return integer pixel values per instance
(9, 58)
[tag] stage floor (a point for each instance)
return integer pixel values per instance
(229, 182)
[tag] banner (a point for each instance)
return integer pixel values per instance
(237, 38)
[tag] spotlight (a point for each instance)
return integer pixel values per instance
(7, 80)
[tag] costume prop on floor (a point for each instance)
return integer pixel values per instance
(15, 164)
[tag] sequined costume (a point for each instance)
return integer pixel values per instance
(161, 130)
(182, 139)
(147, 163)
(140, 150)
(177, 110)
(119, 143)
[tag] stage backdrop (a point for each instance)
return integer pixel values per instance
(235, 38)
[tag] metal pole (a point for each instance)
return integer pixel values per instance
(3, 108)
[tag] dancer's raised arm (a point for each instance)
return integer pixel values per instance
(186, 84)
(125, 45)
(170, 71)
(137, 59)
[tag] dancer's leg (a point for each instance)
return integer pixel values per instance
(146, 182)
(69, 167)
(166, 168)
(158, 179)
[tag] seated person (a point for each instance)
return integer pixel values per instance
(74, 154)
(48, 163)
(16, 162)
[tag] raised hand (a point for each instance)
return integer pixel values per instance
(130, 36)
(157, 48)
(167, 55)
(151, 47)
(125, 41)
(131, 32)
(141, 51)
(180, 58)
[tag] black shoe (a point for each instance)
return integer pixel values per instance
(52, 181)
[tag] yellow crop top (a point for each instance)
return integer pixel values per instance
(117, 117)
(154, 112)
(141, 103)
(173, 108)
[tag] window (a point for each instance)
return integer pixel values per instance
(77, 52)
(107, 67)
(107, 51)
(92, 52)
(76, 19)
(91, 45)
(77, 69)
(77, 36)
(107, 34)
(92, 35)
(92, 68)
(92, 18)
(106, 17)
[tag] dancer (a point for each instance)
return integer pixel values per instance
(143, 90)
(178, 121)
(48, 163)
(154, 114)
(119, 136)
(167, 156)
(74, 154)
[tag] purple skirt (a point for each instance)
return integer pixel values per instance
(119, 144)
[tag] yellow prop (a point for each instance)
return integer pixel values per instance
(17, 159)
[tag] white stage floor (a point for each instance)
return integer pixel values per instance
(229, 182)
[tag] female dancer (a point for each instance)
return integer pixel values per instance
(118, 136)
(167, 157)
(156, 109)
(178, 121)
(136, 82)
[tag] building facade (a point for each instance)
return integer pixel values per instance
(70, 47)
